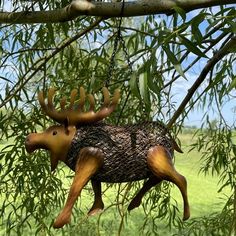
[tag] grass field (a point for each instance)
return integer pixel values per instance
(202, 190)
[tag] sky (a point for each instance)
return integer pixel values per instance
(194, 118)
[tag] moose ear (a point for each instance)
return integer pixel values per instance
(66, 125)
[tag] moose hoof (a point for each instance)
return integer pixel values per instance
(96, 208)
(186, 214)
(61, 220)
(96, 211)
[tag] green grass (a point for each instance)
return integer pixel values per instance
(202, 191)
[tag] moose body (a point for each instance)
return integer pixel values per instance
(125, 149)
(100, 152)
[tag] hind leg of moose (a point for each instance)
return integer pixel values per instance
(147, 186)
(89, 162)
(160, 163)
(98, 204)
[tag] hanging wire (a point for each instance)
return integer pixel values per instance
(119, 39)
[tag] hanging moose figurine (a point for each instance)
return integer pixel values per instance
(101, 152)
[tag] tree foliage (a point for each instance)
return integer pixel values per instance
(166, 68)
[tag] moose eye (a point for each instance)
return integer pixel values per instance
(54, 132)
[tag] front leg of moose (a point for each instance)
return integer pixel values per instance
(89, 161)
(160, 162)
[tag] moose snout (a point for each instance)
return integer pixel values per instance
(27, 140)
(29, 143)
(33, 142)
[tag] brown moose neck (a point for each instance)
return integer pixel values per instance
(60, 149)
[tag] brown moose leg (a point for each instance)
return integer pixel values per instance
(98, 203)
(89, 161)
(160, 162)
(147, 185)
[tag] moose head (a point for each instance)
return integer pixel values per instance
(57, 138)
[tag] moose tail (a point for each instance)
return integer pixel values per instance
(176, 147)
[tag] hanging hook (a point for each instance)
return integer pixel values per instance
(115, 48)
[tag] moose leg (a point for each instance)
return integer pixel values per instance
(98, 203)
(89, 161)
(160, 162)
(147, 186)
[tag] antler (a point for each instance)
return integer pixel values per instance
(78, 116)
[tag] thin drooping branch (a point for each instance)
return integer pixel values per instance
(227, 48)
(107, 9)
(213, 43)
(233, 227)
(40, 63)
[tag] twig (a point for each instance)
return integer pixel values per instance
(18, 86)
(211, 63)
(128, 187)
(22, 51)
(196, 59)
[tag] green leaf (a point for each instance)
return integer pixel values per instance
(181, 12)
(232, 84)
(143, 85)
(195, 26)
(102, 60)
(232, 49)
(152, 85)
(133, 83)
(174, 61)
(191, 46)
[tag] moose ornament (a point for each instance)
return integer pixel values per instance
(101, 152)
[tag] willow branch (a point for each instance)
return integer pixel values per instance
(227, 48)
(213, 43)
(40, 63)
(107, 9)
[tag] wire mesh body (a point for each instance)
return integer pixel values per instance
(124, 147)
